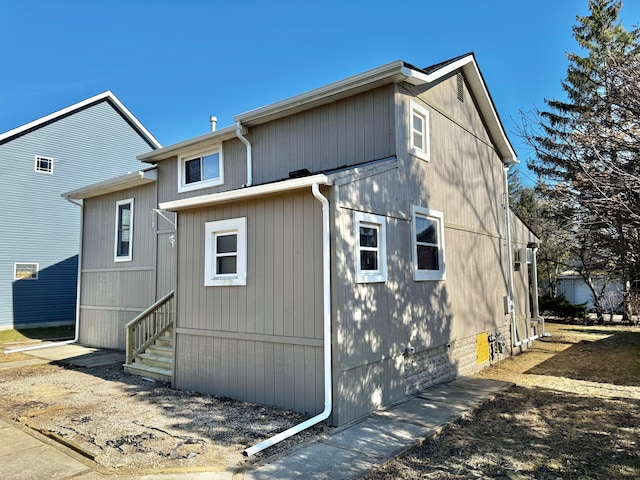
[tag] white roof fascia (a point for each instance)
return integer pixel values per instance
(226, 133)
(116, 184)
(246, 193)
(470, 67)
(383, 75)
(108, 95)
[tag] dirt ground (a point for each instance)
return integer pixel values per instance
(127, 424)
(574, 413)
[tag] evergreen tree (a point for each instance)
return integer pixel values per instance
(587, 145)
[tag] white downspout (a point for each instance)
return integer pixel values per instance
(249, 155)
(77, 330)
(326, 276)
(507, 214)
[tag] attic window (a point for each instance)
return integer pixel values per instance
(460, 87)
(419, 131)
(44, 164)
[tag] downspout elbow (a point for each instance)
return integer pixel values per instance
(249, 154)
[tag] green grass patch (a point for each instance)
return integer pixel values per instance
(26, 334)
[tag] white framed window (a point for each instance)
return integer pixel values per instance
(124, 231)
(25, 271)
(371, 248)
(200, 170)
(225, 253)
(427, 229)
(419, 131)
(43, 164)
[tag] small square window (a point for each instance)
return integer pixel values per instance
(371, 254)
(419, 127)
(44, 164)
(225, 253)
(25, 271)
(428, 244)
(200, 170)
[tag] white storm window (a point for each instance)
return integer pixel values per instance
(427, 228)
(124, 230)
(43, 164)
(200, 170)
(371, 248)
(419, 131)
(225, 252)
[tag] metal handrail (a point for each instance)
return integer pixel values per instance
(143, 330)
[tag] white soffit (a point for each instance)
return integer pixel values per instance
(116, 184)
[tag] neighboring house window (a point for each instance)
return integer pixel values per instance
(371, 248)
(25, 271)
(124, 230)
(428, 244)
(200, 170)
(225, 254)
(44, 164)
(419, 128)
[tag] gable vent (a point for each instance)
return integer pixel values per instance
(460, 87)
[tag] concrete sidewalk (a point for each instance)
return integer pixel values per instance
(346, 453)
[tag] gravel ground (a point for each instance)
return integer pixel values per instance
(128, 424)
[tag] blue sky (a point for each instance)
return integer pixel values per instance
(175, 63)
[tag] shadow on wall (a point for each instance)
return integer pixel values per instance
(49, 299)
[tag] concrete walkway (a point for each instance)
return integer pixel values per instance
(345, 454)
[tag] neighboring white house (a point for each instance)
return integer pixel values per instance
(576, 291)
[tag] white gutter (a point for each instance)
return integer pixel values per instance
(249, 155)
(77, 329)
(326, 276)
(245, 193)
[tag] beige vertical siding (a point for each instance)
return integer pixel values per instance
(112, 293)
(374, 323)
(261, 342)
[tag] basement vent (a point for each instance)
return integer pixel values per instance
(460, 87)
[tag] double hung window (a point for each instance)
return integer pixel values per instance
(371, 248)
(226, 252)
(419, 129)
(428, 244)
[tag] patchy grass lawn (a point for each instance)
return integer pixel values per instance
(573, 414)
(10, 339)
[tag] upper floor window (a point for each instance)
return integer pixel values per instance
(428, 244)
(419, 128)
(44, 164)
(124, 230)
(200, 170)
(225, 254)
(371, 248)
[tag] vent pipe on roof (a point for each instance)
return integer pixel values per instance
(214, 121)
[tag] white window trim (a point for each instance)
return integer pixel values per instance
(183, 187)
(211, 229)
(424, 152)
(35, 165)
(373, 276)
(15, 270)
(123, 258)
(427, 275)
